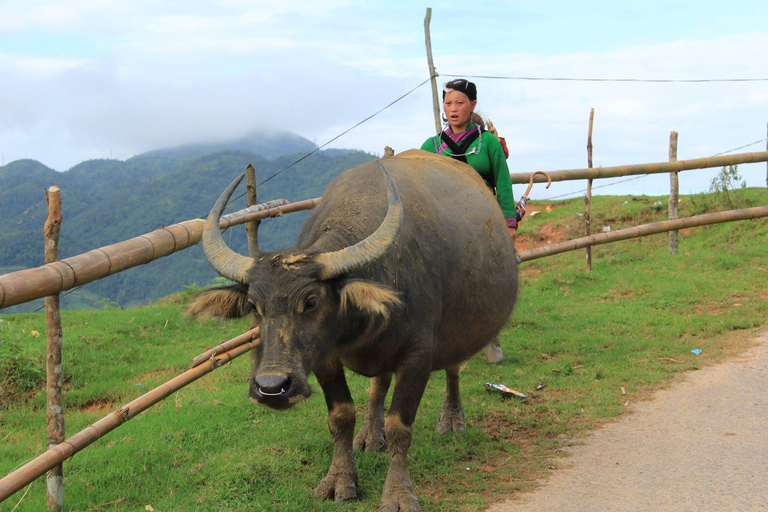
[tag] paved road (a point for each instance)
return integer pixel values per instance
(701, 445)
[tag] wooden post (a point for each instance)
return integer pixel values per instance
(432, 72)
(674, 194)
(54, 413)
(252, 229)
(588, 197)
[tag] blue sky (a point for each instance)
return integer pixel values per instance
(83, 79)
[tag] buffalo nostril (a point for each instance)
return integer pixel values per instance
(273, 385)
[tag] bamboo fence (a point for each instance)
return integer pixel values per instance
(30, 284)
(56, 455)
(52, 278)
(644, 230)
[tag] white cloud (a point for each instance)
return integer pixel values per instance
(142, 75)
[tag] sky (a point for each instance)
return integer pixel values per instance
(86, 79)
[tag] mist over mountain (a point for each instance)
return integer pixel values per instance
(108, 201)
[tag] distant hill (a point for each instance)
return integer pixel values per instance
(108, 201)
(272, 145)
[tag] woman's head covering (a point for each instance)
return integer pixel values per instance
(461, 85)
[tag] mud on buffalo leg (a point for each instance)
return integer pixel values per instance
(340, 483)
(371, 435)
(452, 413)
(411, 379)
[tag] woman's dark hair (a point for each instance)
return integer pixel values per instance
(461, 85)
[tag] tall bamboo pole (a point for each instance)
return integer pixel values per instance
(56, 455)
(54, 413)
(432, 73)
(588, 197)
(674, 194)
(644, 230)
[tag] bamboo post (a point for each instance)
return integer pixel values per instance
(54, 414)
(252, 231)
(674, 194)
(432, 73)
(56, 455)
(252, 227)
(588, 197)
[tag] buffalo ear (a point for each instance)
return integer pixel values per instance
(224, 302)
(367, 297)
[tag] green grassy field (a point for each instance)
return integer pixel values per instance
(629, 324)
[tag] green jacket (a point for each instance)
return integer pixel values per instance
(490, 160)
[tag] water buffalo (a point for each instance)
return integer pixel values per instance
(403, 275)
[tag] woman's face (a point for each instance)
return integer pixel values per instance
(458, 110)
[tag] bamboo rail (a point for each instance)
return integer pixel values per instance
(52, 278)
(226, 346)
(56, 455)
(654, 168)
(643, 230)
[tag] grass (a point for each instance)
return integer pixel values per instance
(629, 324)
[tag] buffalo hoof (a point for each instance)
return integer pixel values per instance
(401, 502)
(341, 488)
(370, 438)
(451, 420)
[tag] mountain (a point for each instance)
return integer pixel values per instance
(271, 145)
(108, 201)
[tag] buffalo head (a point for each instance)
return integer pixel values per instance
(305, 303)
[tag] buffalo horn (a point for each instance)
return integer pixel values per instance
(365, 252)
(224, 260)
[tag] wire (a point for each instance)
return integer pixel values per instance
(333, 139)
(645, 175)
(346, 131)
(641, 80)
(598, 186)
(741, 147)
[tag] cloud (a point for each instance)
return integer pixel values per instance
(143, 75)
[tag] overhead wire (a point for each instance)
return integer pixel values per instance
(577, 193)
(336, 137)
(640, 80)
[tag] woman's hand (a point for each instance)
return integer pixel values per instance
(512, 233)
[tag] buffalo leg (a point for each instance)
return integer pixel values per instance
(452, 413)
(371, 435)
(398, 490)
(340, 483)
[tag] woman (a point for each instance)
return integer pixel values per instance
(467, 141)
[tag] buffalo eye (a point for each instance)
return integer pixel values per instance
(253, 308)
(310, 303)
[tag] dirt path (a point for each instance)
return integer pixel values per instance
(701, 445)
